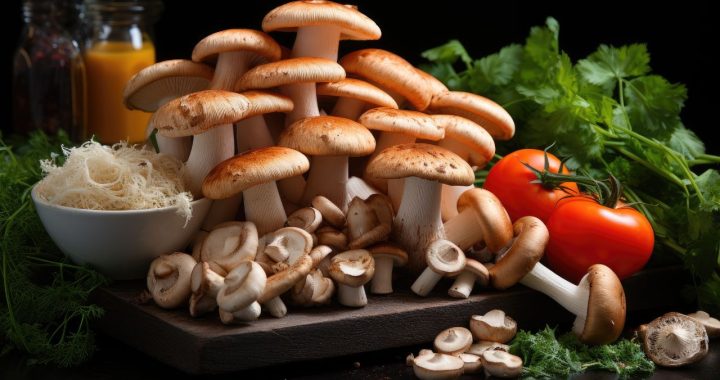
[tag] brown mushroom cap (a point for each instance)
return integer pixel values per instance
(236, 40)
(606, 307)
(391, 72)
(490, 115)
(525, 252)
(425, 161)
(495, 224)
(413, 123)
(445, 258)
(290, 71)
(165, 80)
(264, 102)
(328, 136)
(352, 268)
(436, 87)
(438, 366)
(453, 341)
(195, 113)
(674, 340)
(291, 16)
(494, 326)
(330, 211)
(357, 89)
(470, 134)
(252, 168)
(391, 250)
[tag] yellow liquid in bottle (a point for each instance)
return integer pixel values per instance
(109, 66)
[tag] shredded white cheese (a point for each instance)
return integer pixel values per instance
(118, 177)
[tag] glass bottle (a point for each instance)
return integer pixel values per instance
(119, 46)
(48, 72)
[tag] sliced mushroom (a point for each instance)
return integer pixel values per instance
(473, 363)
(485, 345)
(351, 270)
(674, 340)
(453, 341)
(438, 367)
(443, 259)
(494, 326)
(501, 364)
(712, 325)
(168, 279)
(205, 285)
(306, 218)
(369, 221)
(387, 256)
(229, 244)
(243, 285)
(473, 272)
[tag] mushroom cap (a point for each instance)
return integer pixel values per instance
(606, 307)
(712, 325)
(263, 102)
(501, 364)
(470, 134)
(328, 136)
(319, 253)
(369, 221)
(490, 115)
(329, 236)
(357, 89)
(494, 326)
(229, 244)
(251, 168)
(243, 286)
(413, 123)
(168, 279)
(436, 87)
(281, 282)
(438, 366)
(473, 363)
(445, 258)
(295, 242)
(330, 211)
(290, 71)
(352, 268)
(453, 341)
(237, 40)
(291, 16)
(306, 218)
(165, 80)
(391, 72)
(494, 221)
(425, 161)
(195, 113)
(484, 345)
(521, 257)
(481, 272)
(391, 250)
(674, 340)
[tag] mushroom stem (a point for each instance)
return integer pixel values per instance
(230, 66)
(394, 186)
(417, 222)
(276, 307)
(209, 149)
(463, 285)
(388, 139)
(253, 133)
(426, 282)
(449, 199)
(463, 229)
(264, 207)
(246, 314)
(356, 187)
(317, 41)
(382, 279)
(348, 108)
(352, 296)
(304, 97)
(571, 297)
(328, 177)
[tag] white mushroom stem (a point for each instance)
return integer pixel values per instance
(349, 108)
(264, 207)
(356, 187)
(463, 285)
(317, 41)
(382, 279)
(426, 282)
(252, 133)
(246, 314)
(304, 97)
(208, 150)
(229, 68)
(572, 297)
(449, 198)
(352, 296)
(394, 186)
(276, 307)
(178, 147)
(328, 177)
(417, 222)
(463, 229)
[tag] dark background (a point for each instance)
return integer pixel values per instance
(681, 36)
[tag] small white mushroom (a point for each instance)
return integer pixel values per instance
(250, 313)
(474, 272)
(453, 341)
(243, 285)
(168, 279)
(438, 367)
(494, 326)
(712, 325)
(351, 270)
(205, 285)
(443, 259)
(386, 255)
(229, 244)
(501, 364)
(287, 244)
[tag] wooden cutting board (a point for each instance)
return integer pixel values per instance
(205, 345)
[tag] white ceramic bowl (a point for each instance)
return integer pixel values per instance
(119, 244)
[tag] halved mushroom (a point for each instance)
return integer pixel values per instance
(443, 259)
(453, 341)
(438, 367)
(482, 218)
(243, 285)
(306, 218)
(205, 285)
(168, 279)
(494, 326)
(674, 340)
(473, 272)
(330, 211)
(351, 270)
(386, 255)
(501, 364)
(712, 325)
(229, 244)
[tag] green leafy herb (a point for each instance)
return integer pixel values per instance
(44, 310)
(611, 116)
(545, 356)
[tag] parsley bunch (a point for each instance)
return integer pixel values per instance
(611, 116)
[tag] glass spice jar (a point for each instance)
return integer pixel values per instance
(48, 72)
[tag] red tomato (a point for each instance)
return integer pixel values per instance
(510, 181)
(584, 232)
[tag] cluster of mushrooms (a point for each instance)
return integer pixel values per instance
(270, 134)
(482, 348)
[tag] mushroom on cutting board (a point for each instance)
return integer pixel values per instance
(473, 272)
(168, 279)
(501, 364)
(425, 167)
(674, 340)
(712, 325)
(443, 259)
(156, 85)
(494, 326)
(205, 285)
(229, 244)
(483, 111)
(453, 341)
(330, 140)
(254, 174)
(351, 270)
(598, 301)
(237, 298)
(438, 367)
(482, 218)
(354, 96)
(387, 256)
